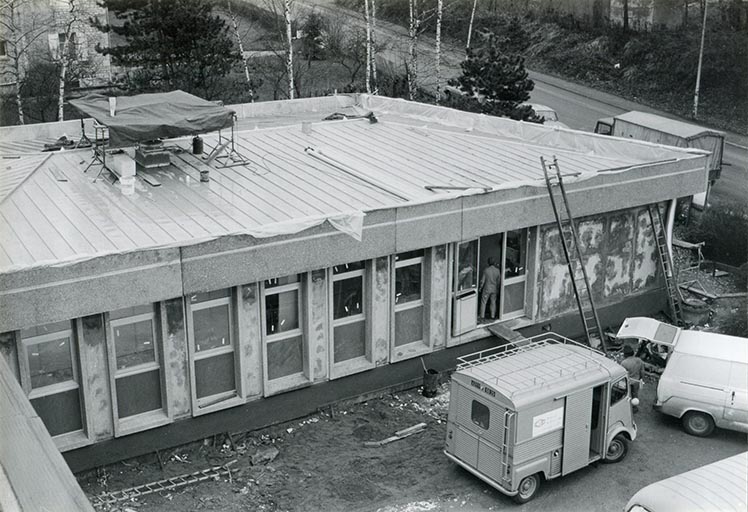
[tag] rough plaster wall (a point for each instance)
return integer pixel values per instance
(250, 340)
(380, 311)
(438, 299)
(618, 250)
(98, 398)
(646, 269)
(318, 336)
(9, 352)
(620, 237)
(175, 359)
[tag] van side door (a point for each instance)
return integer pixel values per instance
(736, 398)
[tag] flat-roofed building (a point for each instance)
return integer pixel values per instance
(322, 250)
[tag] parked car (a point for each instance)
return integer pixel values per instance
(521, 415)
(705, 381)
(720, 487)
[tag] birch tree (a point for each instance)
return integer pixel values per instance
(289, 51)
(374, 45)
(470, 27)
(235, 26)
(412, 65)
(20, 37)
(439, 12)
(66, 55)
(368, 46)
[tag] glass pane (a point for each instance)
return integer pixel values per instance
(467, 262)
(134, 344)
(45, 329)
(348, 267)
(480, 415)
(134, 311)
(282, 311)
(619, 390)
(408, 326)
(408, 284)
(348, 297)
(212, 327)
(285, 357)
(139, 393)
(60, 412)
(408, 255)
(50, 362)
(349, 341)
(514, 297)
(214, 375)
(516, 253)
(205, 297)
(280, 281)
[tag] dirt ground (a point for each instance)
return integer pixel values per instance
(320, 462)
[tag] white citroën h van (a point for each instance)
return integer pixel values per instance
(521, 414)
(705, 381)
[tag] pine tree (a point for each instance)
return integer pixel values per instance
(170, 45)
(493, 82)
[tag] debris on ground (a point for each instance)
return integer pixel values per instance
(400, 434)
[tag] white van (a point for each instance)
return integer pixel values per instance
(719, 487)
(705, 381)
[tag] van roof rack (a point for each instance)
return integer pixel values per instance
(543, 370)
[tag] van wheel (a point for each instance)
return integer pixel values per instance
(698, 423)
(617, 449)
(528, 488)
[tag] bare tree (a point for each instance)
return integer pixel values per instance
(368, 46)
(65, 55)
(21, 35)
(235, 27)
(470, 27)
(374, 44)
(412, 65)
(289, 52)
(439, 12)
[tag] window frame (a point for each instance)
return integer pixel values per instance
(75, 438)
(473, 404)
(224, 399)
(418, 260)
(358, 363)
(423, 345)
(286, 382)
(147, 419)
(613, 390)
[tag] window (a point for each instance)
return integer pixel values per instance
(409, 297)
(619, 390)
(283, 328)
(50, 376)
(136, 360)
(349, 317)
(214, 366)
(516, 253)
(480, 415)
(467, 263)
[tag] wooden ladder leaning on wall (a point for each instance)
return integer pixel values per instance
(573, 253)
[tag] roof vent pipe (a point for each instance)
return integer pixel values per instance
(306, 127)
(112, 106)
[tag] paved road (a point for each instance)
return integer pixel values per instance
(579, 107)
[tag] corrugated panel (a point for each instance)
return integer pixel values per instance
(538, 446)
(15, 170)
(577, 431)
(489, 460)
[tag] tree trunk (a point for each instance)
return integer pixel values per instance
(64, 62)
(19, 98)
(470, 27)
(413, 39)
(235, 25)
(289, 57)
(373, 45)
(439, 11)
(368, 46)
(625, 15)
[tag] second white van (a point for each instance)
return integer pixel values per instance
(705, 381)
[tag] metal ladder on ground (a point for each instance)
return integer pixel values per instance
(570, 241)
(666, 263)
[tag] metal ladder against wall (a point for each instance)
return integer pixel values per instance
(572, 251)
(666, 263)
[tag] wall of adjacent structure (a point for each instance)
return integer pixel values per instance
(621, 260)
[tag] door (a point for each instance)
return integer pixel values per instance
(465, 288)
(736, 400)
(577, 431)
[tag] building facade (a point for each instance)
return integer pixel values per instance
(336, 248)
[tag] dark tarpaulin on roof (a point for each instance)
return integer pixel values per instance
(153, 116)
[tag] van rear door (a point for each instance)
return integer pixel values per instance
(577, 431)
(736, 399)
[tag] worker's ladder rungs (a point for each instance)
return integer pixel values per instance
(666, 263)
(573, 253)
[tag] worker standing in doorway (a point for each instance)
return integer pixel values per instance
(489, 288)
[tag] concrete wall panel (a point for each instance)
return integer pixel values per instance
(380, 311)
(438, 297)
(646, 267)
(97, 393)
(249, 347)
(176, 366)
(427, 225)
(319, 336)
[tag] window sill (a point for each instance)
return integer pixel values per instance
(281, 384)
(140, 422)
(410, 350)
(223, 404)
(355, 365)
(71, 441)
